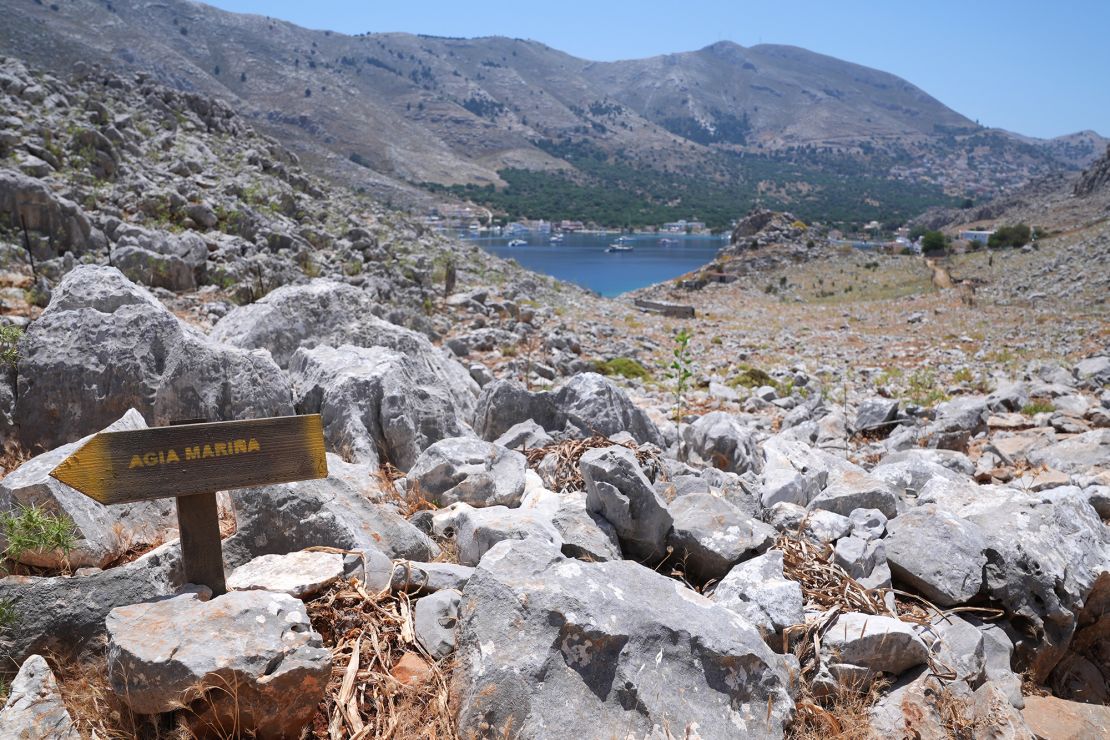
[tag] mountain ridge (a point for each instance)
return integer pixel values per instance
(392, 111)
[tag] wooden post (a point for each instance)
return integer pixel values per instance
(198, 527)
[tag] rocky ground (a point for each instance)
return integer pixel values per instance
(871, 509)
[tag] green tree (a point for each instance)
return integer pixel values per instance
(933, 241)
(1010, 236)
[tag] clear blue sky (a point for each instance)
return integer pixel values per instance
(1037, 68)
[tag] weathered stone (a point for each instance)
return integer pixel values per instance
(328, 512)
(299, 574)
(1059, 719)
(937, 554)
(585, 534)
(105, 345)
(103, 533)
(850, 488)
(469, 470)
(907, 476)
(875, 642)
(875, 413)
(504, 404)
(868, 524)
(417, 577)
(593, 404)
(720, 440)
(435, 618)
(58, 225)
(956, 421)
(864, 560)
(817, 525)
(710, 536)
(63, 615)
(618, 490)
(377, 404)
(35, 710)
(959, 647)
(156, 270)
(477, 530)
(525, 435)
(183, 651)
(1086, 453)
(325, 312)
(540, 633)
(757, 590)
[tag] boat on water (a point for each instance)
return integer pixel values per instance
(517, 243)
(556, 239)
(618, 247)
(668, 242)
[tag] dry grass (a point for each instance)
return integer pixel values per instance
(98, 712)
(409, 501)
(369, 634)
(844, 714)
(567, 475)
(12, 455)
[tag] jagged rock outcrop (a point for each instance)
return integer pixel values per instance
(105, 345)
(1095, 178)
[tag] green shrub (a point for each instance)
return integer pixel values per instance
(31, 529)
(9, 341)
(933, 241)
(1010, 236)
(626, 367)
(751, 377)
(1037, 406)
(7, 617)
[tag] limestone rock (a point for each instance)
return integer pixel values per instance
(299, 574)
(539, 633)
(720, 440)
(477, 530)
(757, 590)
(585, 534)
(103, 533)
(328, 512)
(185, 652)
(105, 345)
(710, 535)
(618, 490)
(435, 618)
(35, 710)
(874, 642)
(469, 470)
(377, 405)
(937, 554)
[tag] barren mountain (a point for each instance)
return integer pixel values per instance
(776, 123)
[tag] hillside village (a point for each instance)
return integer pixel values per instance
(840, 501)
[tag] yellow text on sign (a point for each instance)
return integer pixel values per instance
(195, 452)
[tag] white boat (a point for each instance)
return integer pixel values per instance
(556, 239)
(517, 243)
(617, 247)
(668, 242)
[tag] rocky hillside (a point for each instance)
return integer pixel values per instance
(416, 109)
(867, 504)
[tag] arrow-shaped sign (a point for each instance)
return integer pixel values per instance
(120, 467)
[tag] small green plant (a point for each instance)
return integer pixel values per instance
(9, 341)
(1037, 406)
(923, 390)
(354, 267)
(7, 618)
(751, 377)
(31, 529)
(681, 370)
(626, 367)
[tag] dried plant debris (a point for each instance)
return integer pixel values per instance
(562, 473)
(383, 685)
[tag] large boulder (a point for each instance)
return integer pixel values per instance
(105, 345)
(478, 530)
(185, 652)
(585, 534)
(618, 490)
(332, 313)
(1045, 552)
(758, 591)
(469, 470)
(161, 259)
(793, 472)
(1084, 453)
(35, 710)
(588, 404)
(378, 405)
(936, 553)
(56, 225)
(850, 487)
(593, 404)
(710, 535)
(956, 422)
(550, 647)
(103, 533)
(63, 615)
(874, 642)
(720, 440)
(329, 512)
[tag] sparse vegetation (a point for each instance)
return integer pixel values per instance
(923, 389)
(681, 370)
(1010, 236)
(1037, 406)
(32, 529)
(626, 367)
(9, 345)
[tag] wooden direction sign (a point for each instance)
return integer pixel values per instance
(191, 461)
